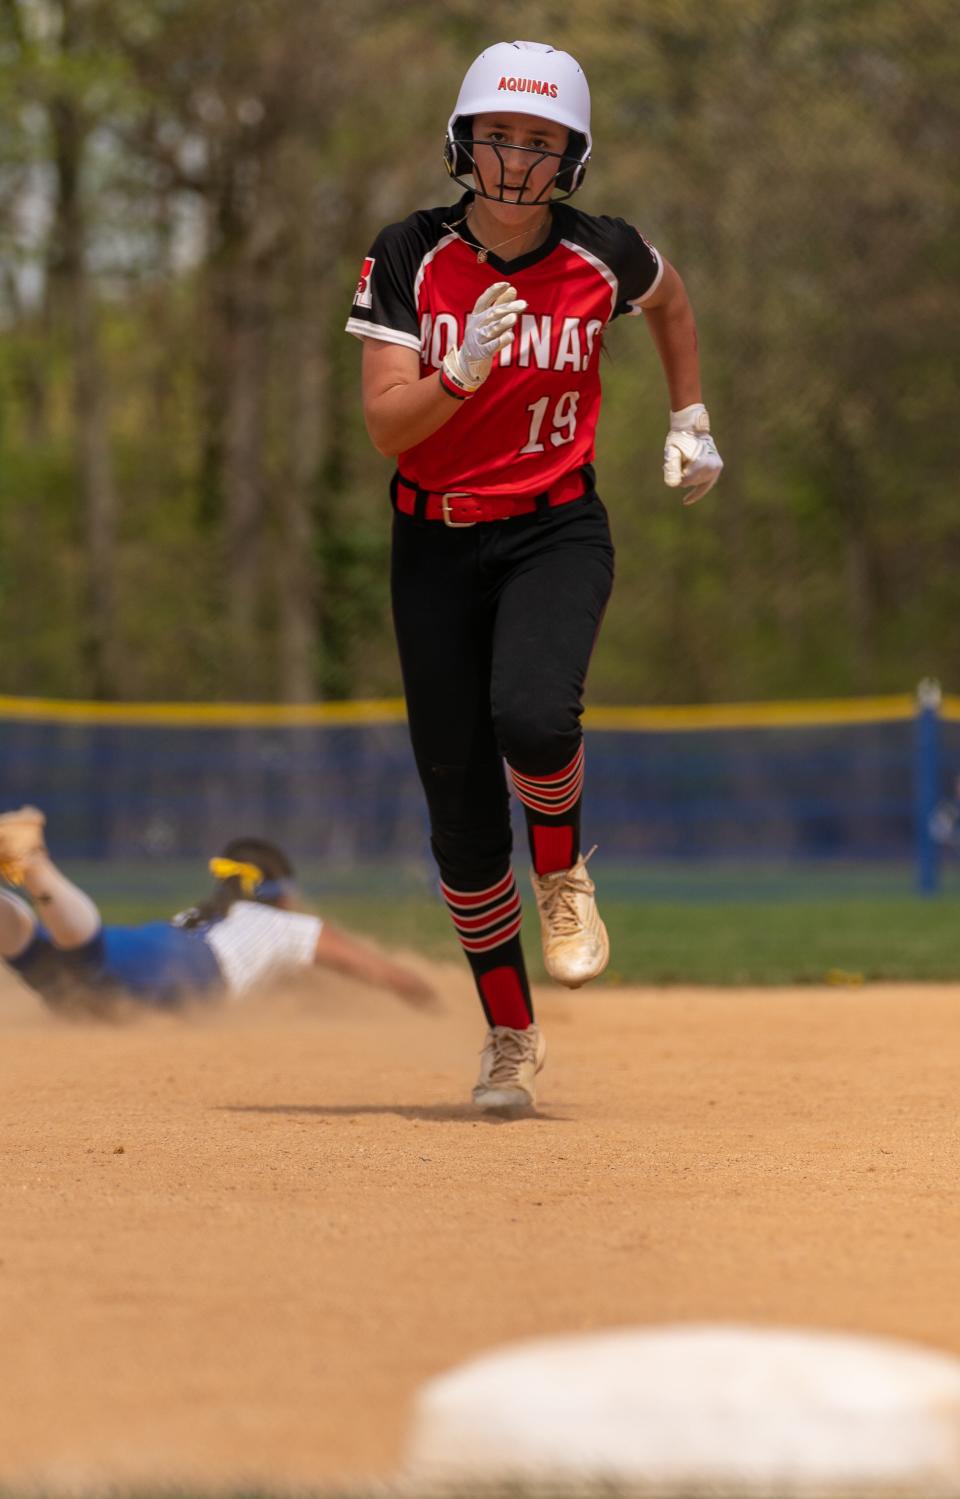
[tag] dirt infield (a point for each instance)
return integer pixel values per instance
(231, 1246)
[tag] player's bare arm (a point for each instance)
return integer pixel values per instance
(348, 954)
(402, 409)
(690, 457)
(669, 316)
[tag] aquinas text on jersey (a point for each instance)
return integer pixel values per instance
(543, 343)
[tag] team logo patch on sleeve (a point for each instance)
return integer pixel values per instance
(363, 296)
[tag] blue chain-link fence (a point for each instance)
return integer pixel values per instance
(858, 789)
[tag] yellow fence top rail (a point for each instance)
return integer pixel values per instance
(756, 715)
(391, 710)
(203, 715)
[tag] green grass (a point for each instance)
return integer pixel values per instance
(667, 925)
(736, 942)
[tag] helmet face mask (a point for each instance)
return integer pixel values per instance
(461, 159)
(521, 78)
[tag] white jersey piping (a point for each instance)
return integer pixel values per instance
(448, 239)
(598, 265)
(383, 335)
(636, 306)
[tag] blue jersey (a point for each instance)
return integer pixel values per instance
(164, 963)
(157, 964)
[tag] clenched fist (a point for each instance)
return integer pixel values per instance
(690, 457)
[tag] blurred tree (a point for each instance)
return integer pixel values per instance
(189, 506)
(57, 72)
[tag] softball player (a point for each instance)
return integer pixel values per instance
(482, 325)
(246, 934)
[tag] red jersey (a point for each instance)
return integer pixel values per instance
(534, 419)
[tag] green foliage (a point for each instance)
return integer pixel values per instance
(796, 163)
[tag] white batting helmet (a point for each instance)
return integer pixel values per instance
(524, 78)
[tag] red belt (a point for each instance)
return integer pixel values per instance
(457, 508)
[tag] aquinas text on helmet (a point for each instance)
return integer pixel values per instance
(528, 86)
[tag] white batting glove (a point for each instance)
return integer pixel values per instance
(690, 457)
(489, 329)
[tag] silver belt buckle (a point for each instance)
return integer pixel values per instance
(455, 494)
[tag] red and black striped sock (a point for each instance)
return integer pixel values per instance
(552, 807)
(488, 925)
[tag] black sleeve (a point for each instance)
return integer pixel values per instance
(623, 254)
(641, 268)
(384, 303)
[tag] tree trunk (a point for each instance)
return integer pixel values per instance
(296, 620)
(99, 498)
(74, 306)
(243, 477)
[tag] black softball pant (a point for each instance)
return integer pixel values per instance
(495, 625)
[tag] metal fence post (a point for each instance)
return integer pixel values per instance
(927, 784)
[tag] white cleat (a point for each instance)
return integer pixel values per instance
(21, 836)
(509, 1063)
(576, 947)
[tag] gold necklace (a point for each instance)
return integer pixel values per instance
(486, 250)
